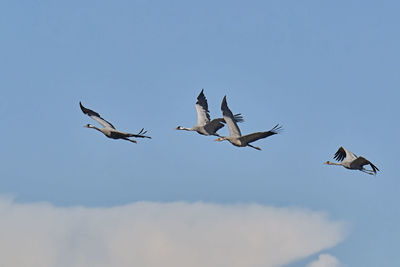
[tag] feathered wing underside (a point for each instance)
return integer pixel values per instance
(361, 161)
(96, 116)
(234, 130)
(344, 155)
(203, 116)
(259, 135)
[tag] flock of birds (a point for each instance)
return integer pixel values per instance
(206, 126)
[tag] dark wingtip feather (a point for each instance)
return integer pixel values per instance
(340, 154)
(238, 117)
(84, 110)
(202, 101)
(374, 168)
(277, 129)
(90, 112)
(224, 104)
(201, 94)
(142, 133)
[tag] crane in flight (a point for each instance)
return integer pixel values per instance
(235, 136)
(350, 161)
(109, 129)
(205, 125)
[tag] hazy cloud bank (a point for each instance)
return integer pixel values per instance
(325, 260)
(148, 234)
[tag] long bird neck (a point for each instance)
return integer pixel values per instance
(187, 129)
(334, 163)
(94, 127)
(222, 138)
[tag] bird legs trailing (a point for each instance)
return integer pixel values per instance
(371, 172)
(255, 147)
(127, 139)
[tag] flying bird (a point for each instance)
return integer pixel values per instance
(205, 125)
(235, 136)
(109, 129)
(350, 161)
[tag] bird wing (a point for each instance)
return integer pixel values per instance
(259, 135)
(238, 118)
(361, 161)
(344, 155)
(374, 168)
(96, 116)
(203, 116)
(218, 123)
(213, 126)
(234, 130)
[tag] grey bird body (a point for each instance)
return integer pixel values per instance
(109, 129)
(204, 125)
(235, 136)
(350, 161)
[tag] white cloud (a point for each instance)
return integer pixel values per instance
(147, 234)
(325, 260)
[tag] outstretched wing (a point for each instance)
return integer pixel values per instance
(259, 135)
(344, 155)
(234, 130)
(96, 116)
(203, 116)
(361, 161)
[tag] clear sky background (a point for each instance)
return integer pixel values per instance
(328, 71)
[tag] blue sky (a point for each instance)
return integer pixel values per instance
(326, 71)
